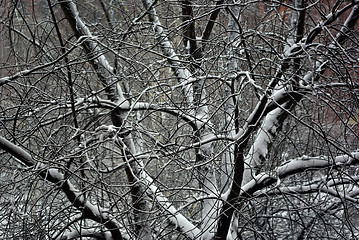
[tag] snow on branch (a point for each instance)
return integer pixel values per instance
(176, 218)
(27, 72)
(299, 165)
(261, 145)
(182, 73)
(16, 151)
(331, 17)
(80, 29)
(298, 47)
(75, 197)
(272, 121)
(323, 185)
(196, 96)
(103, 68)
(303, 163)
(85, 233)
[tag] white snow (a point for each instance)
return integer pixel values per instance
(259, 148)
(289, 49)
(183, 74)
(255, 180)
(16, 151)
(177, 218)
(251, 81)
(207, 144)
(55, 173)
(312, 162)
(76, 233)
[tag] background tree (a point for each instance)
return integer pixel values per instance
(179, 119)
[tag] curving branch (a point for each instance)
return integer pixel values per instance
(210, 24)
(196, 96)
(74, 196)
(105, 72)
(272, 124)
(295, 166)
(272, 119)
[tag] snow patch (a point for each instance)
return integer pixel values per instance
(55, 173)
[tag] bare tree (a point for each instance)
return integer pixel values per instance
(179, 119)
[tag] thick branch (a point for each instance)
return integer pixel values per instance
(75, 197)
(228, 207)
(196, 96)
(258, 114)
(269, 129)
(182, 73)
(295, 166)
(105, 73)
(104, 70)
(189, 29)
(350, 23)
(210, 24)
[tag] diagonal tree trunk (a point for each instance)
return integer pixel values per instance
(105, 73)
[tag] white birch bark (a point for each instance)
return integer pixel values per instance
(195, 98)
(105, 73)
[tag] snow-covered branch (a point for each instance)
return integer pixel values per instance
(176, 218)
(332, 209)
(323, 185)
(140, 129)
(196, 96)
(182, 73)
(75, 197)
(104, 70)
(27, 72)
(299, 165)
(260, 147)
(116, 96)
(91, 233)
(274, 119)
